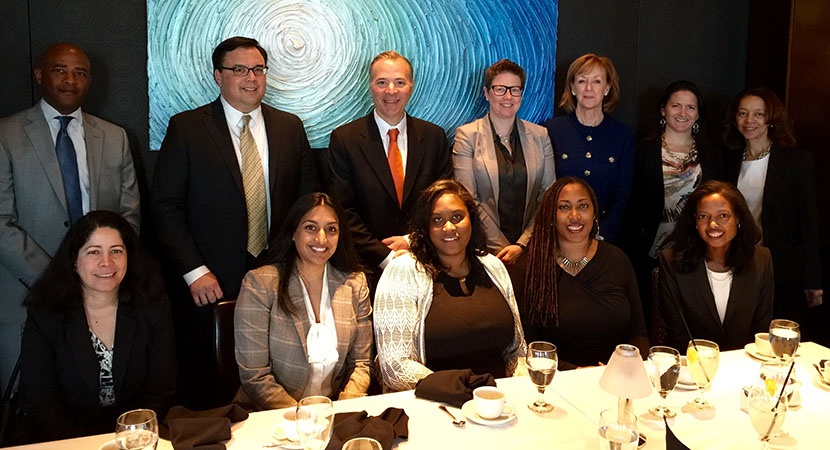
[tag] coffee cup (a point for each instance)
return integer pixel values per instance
(289, 425)
(489, 402)
(762, 344)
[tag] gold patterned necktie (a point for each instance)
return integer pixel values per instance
(396, 163)
(253, 181)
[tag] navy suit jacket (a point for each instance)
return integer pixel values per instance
(360, 179)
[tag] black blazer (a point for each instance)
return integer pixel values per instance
(59, 369)
(358, 176)
(748, 310)
(789, 215)
(198, 202)
(645, 205)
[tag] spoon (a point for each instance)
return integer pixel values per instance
(820, 374)
(456, 422)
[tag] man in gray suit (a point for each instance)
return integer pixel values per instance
(35, 209)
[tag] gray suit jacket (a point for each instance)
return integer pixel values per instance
(271, 345)
(33, 213)
(475, 166)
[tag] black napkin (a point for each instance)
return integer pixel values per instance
(201, 430)
(390, 424)
(453, 387)
(672, 443)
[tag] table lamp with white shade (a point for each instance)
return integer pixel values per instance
(625, 376)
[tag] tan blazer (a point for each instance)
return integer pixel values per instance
(271, 345)
(475, 166)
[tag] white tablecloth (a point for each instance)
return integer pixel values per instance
(572, 424)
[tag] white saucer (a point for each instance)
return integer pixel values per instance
(469, 410)
(108, 446)
(684, 380)
(278, 434)
(752, 351)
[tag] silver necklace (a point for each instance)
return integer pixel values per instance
(505, 139)
(573, 266)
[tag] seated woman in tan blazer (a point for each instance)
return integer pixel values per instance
(302, 324)
(506, 163)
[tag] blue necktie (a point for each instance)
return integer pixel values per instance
(69, 171)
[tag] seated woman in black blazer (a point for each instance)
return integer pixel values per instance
(99, 338)
(714, 275)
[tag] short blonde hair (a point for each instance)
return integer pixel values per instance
(391, 55)
(585, 64)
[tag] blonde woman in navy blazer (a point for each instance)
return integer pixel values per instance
(479, 154)
(272, 322)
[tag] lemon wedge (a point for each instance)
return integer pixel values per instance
(771, 386)
(691, 355)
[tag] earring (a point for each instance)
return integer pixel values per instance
(573, 93)
(695, 128)
(663, 122)
(605, 94)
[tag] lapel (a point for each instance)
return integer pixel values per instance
(414, 157)
(773, 184)
(301, 322)
(78, 340)
(484, 141)
(125, 326)
(217, 128)
(271, 134)
(740, 285)
(532, 165)
(94, 141)
(704, 291)
(375, 154)
(37, 130)
(342, 310)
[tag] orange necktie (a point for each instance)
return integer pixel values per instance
(396, 163)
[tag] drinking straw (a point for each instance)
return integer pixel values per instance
(775, 416)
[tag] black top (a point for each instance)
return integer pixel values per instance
(467, 331)
(512, 184)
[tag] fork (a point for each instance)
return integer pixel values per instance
(456, 422)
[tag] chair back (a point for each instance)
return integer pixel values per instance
(223, 347)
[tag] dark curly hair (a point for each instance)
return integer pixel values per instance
(420, 243)
(541, 280)
(780, 131)
(59, 287)
(686, 240)
(283, 252)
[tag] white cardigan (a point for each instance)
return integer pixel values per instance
(402, 301)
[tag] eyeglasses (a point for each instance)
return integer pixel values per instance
(499, 90)
(242, 71)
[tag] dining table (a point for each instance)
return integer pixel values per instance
(572, 424)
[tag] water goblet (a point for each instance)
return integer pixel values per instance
(137, 430)
(767, 412)
(315, 419)
(703, 357)
(784, 336)
(542, 361)
(618, 430)
(362, 443)
(664, 369)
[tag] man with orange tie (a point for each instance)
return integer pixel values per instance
(380, 163)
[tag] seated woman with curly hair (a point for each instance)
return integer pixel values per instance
(446, 304)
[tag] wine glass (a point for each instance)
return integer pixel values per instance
(784, 336)
(542, 361)
(315, 419)
(767, 413)
(362, 443)
(137, 430)
(618, 430)
(664, 369)
(703, 357)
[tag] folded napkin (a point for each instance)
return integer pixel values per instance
(453, 387)
(672, 443)
(390, 424)
(201, 430)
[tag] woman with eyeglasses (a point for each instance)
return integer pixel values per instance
(504, 162)
(592, 145)
(713, 276)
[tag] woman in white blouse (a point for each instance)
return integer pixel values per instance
(714, 277)
(302, 324)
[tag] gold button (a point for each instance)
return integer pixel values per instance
(611, 159)
(588, 155)
(587, 173)
(564, 156)
(589, 138)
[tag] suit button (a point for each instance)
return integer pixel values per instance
(66, 224)
(587, 173)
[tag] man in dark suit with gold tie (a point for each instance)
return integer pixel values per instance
(225, 177)
(380, 163)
